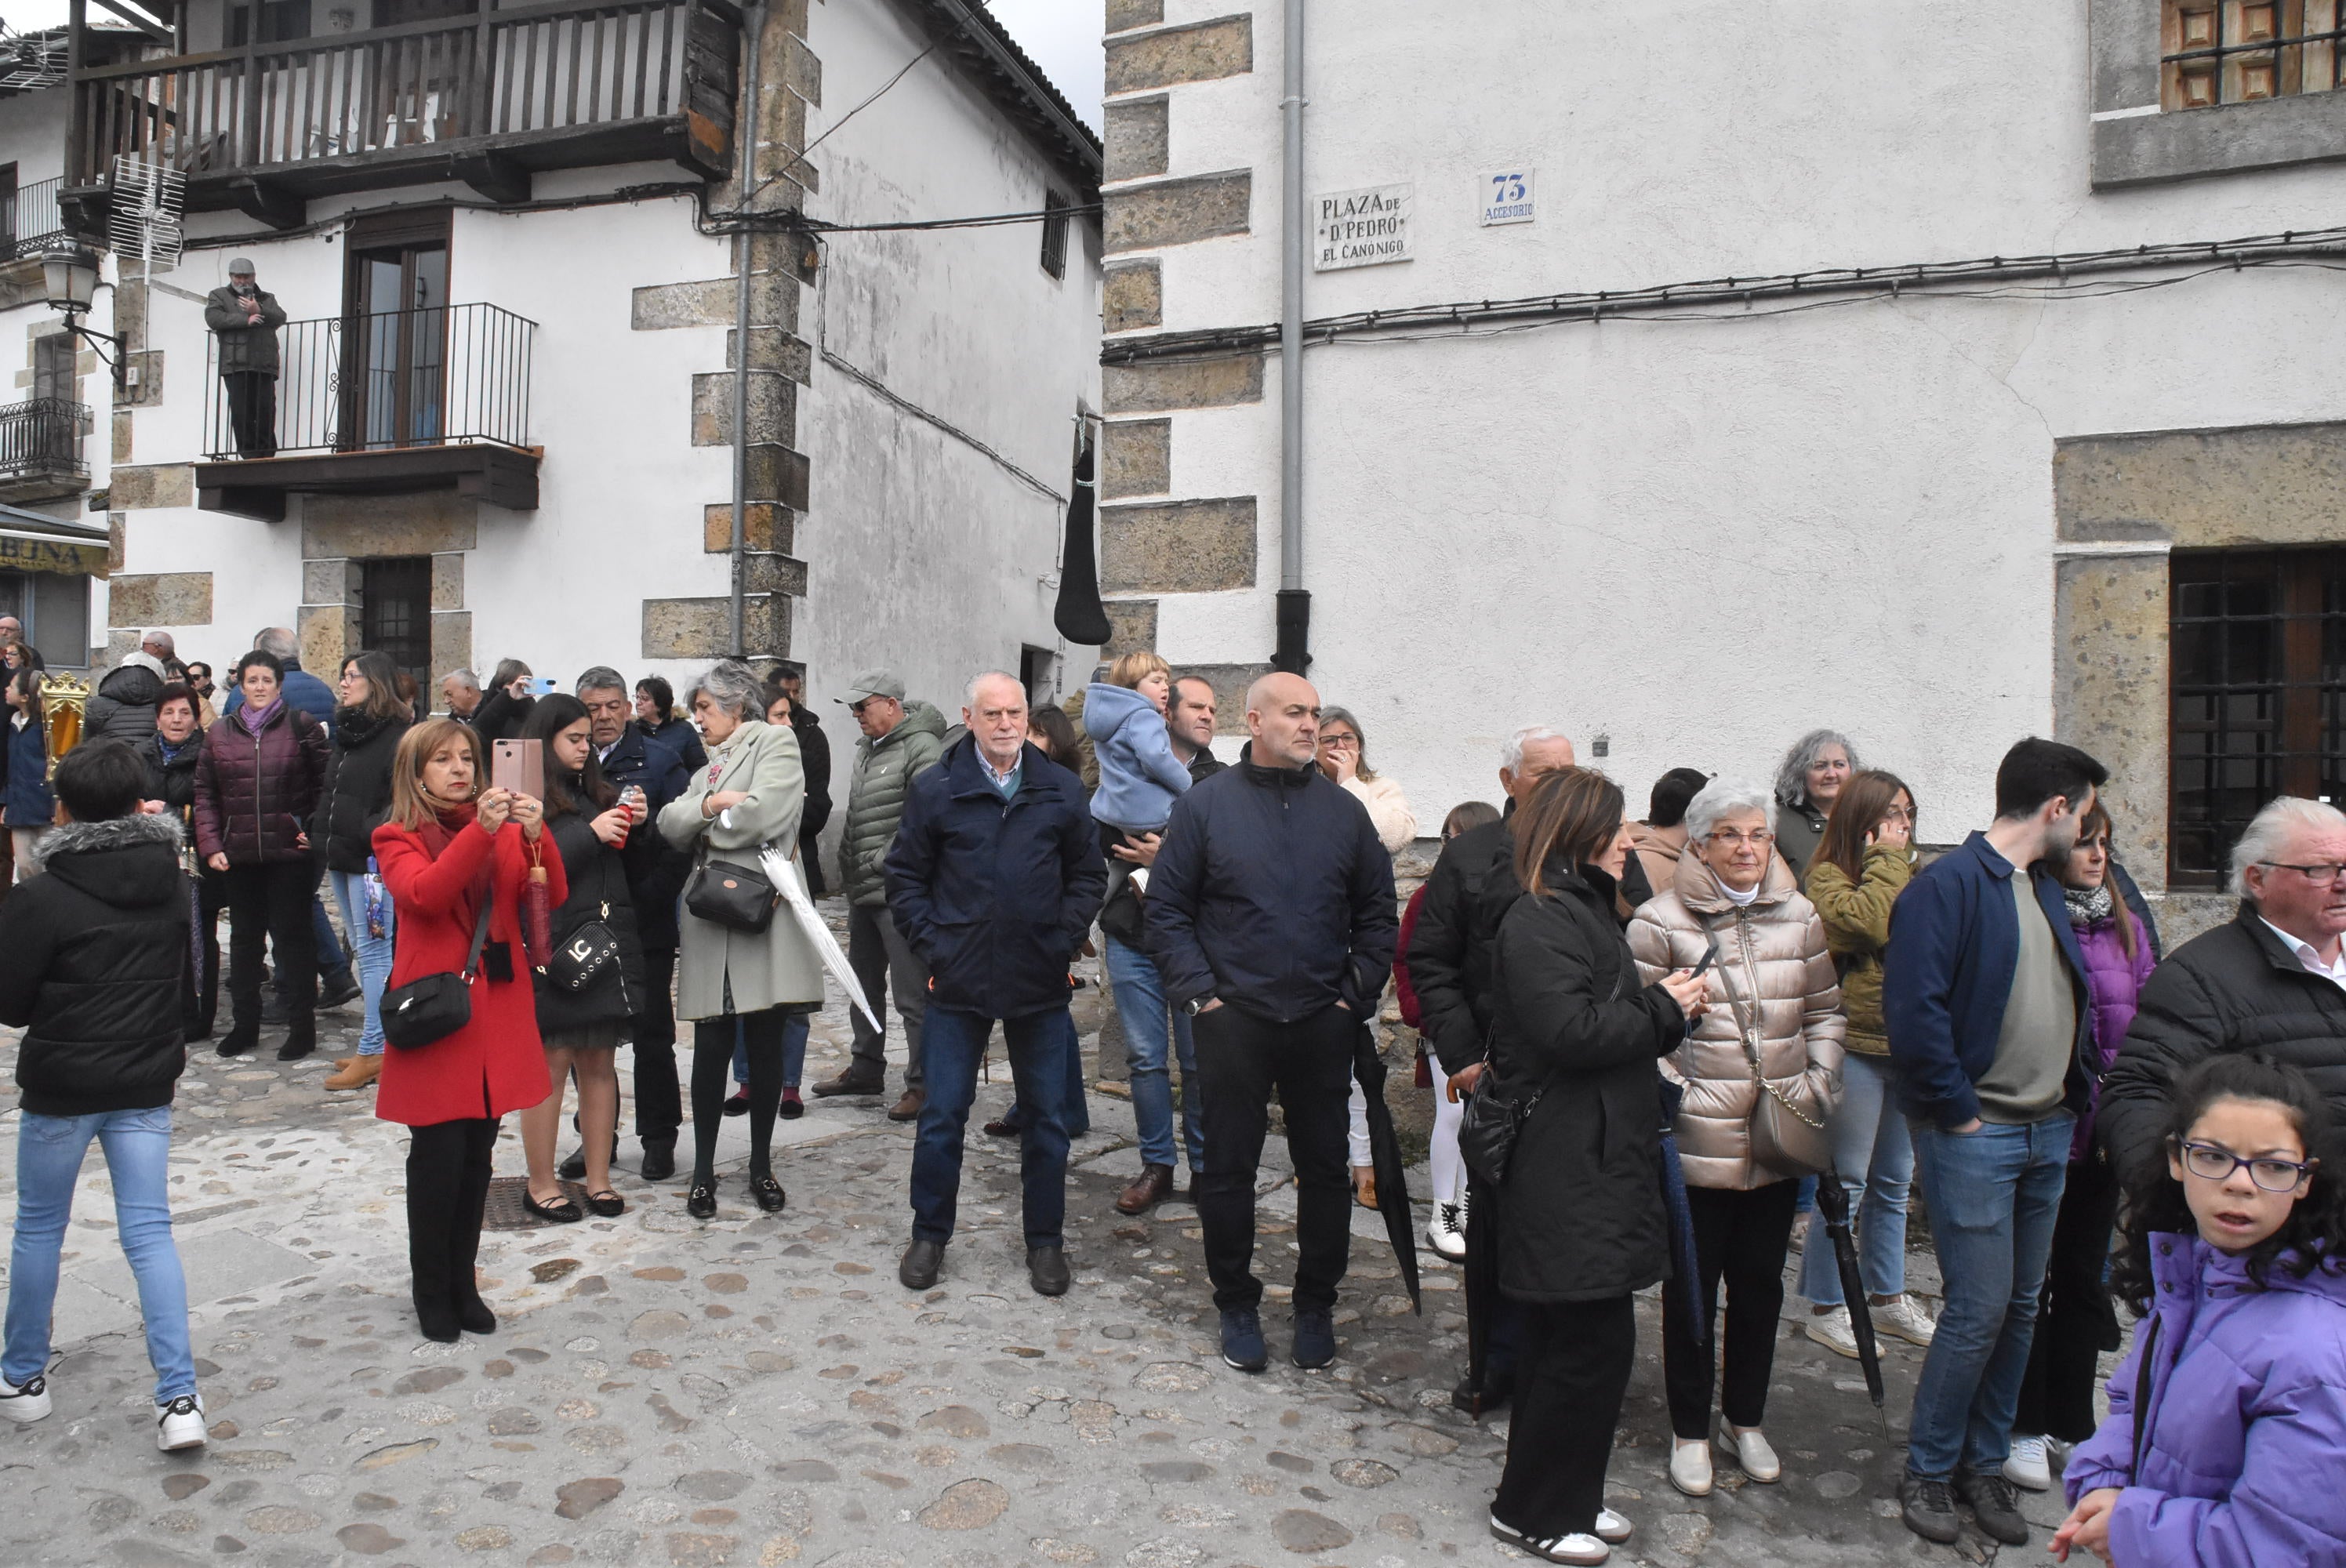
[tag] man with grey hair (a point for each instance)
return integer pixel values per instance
(461, 690)
(160, 645)
(2272, 981)
(245, 317)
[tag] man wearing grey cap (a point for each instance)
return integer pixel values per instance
(245, 318)
(900, 740)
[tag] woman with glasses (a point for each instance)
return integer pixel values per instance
(199, 681)
(1768, 1050)
(2076, 1321)
(1862, 863)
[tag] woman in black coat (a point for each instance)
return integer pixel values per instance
(594, 982)
(355, 801)
(507, 708)
(814, 756)
(170, 755)
(1584, 1224)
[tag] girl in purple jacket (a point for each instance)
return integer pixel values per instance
(2227, 1428)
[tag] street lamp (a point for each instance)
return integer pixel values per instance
(70, 273)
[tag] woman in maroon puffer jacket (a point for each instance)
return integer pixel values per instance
(256, 786)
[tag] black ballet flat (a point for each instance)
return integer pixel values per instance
(608, 1203)
(561, 1211)
(768, 1194)
(701, 1201)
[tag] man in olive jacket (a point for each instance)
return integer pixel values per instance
(900, 741)
(245, 318)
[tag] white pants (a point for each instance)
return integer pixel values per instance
(1448, 1170)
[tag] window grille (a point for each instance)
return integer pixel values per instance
(2242, 51)
(1055, 234)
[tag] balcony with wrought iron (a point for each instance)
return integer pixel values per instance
(488, 99)
(379, 403)
(29, 220)
(41, 449)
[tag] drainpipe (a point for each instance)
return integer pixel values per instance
(753, 30)
(1293, 653)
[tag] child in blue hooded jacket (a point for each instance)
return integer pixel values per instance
(1138, 775)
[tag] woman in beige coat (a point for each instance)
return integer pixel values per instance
(1774, 1012)
(748, 795)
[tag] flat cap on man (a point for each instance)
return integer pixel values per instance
(873, 683)
(240, 268)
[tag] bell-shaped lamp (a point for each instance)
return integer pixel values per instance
(71, 273)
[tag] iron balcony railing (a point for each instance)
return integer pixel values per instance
(29, 220)
(42, 438)
(445, 374)
(519, 73)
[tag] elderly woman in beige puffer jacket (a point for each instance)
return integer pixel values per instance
(1773, 995)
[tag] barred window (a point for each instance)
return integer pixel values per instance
(2241, 51)
(2258, 694)
(1055, 234)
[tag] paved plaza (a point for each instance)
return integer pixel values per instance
(761, 1390)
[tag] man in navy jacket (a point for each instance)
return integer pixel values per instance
(1986, 1000)
(994, 879)
(1271, 914)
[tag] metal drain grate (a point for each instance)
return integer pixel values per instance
(504, 1210)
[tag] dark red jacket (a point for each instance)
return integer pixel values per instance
(254, 793)
(495, 1064)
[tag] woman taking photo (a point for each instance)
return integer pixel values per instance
(507, 708)
(1585, 1225)
(1862, 863)
(256, 788)
(1806, 784)
(368, 723)
(594, 983)
(2076, 1321)
(448, 849)
(1767, 1052)
(170, 755)
(747, 796)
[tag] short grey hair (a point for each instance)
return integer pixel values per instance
(601, 678)
(970, 697)
(733, 687)
(1792, 774)
(2273, 828)
(462, 678)
(1511, 757)
(162, 640)
(277, 642)
(1724, 797)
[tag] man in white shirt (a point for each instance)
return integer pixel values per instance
(2272, 981)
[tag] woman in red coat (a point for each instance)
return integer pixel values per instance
(447, 846)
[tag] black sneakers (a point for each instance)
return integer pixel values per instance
(1242, 1344)
(1929, 1509)
(1315, 1338)
(1996, 1504)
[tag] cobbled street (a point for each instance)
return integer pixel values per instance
(761, 1390)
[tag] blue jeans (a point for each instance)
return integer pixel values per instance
(1875, 1156)
(1140, 1006)
(1994, 1195)
(795, 1043)
(374, 952)
(137, 1145)
(952, 1043)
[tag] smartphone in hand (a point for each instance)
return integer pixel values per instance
(518, 766)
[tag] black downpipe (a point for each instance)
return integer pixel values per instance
(1294, 652)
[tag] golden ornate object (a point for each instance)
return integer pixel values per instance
(63, 699)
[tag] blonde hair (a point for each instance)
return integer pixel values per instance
(411, 807)
(1130, 670)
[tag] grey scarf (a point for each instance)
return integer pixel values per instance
(2088, 906)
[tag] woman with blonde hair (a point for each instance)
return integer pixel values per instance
(455, 858)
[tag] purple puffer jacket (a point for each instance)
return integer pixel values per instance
(2247, 1419)
(2116, 981)
(254, 793)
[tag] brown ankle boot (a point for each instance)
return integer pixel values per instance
(1153, 1186)
(362, 1070)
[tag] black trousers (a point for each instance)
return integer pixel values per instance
(253, 412)
(447, 1189)
(1240, 1059)
(660, 1104)
(1571, 1374)
(712, 1075)
(269, 903)
(2076, 1321)
(1741, 1238)
(200, 992)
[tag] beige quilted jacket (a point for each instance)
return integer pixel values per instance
(1773, 951)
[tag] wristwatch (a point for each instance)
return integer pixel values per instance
(1196, 1005)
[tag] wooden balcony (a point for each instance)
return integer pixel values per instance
(487, 99)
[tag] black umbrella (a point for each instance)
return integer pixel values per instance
(1481, 1282)
(1832, 1202)
(1384, 1155)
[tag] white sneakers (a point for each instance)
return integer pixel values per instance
(1900, 1319)
(2029, 1464)
(26, 1404)
(1752, 1451)
(179, 1424)
(1831, 1330)
(1690, 1467)
(1588, 1549)
(1446, 1231)
(1613, 1527)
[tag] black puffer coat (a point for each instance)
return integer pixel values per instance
(1584, 1218)
(357, 793)
(97, 949)
(255, 793)
(597, 874)
(123, 707)
(2234, 988)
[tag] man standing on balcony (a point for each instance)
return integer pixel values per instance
(246, 317)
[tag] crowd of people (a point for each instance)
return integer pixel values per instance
(1645, 1041)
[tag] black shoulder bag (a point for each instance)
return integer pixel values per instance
(436, 1005)
(1490, 1122)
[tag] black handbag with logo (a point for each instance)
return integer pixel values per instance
(434, 1006)
(584, 956)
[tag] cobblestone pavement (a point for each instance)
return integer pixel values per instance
(761, 1390)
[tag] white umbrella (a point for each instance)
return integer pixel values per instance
(784, 875)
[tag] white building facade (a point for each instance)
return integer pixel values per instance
(508, 240)
(1691, 522)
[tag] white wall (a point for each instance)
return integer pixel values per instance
(1703, 537)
